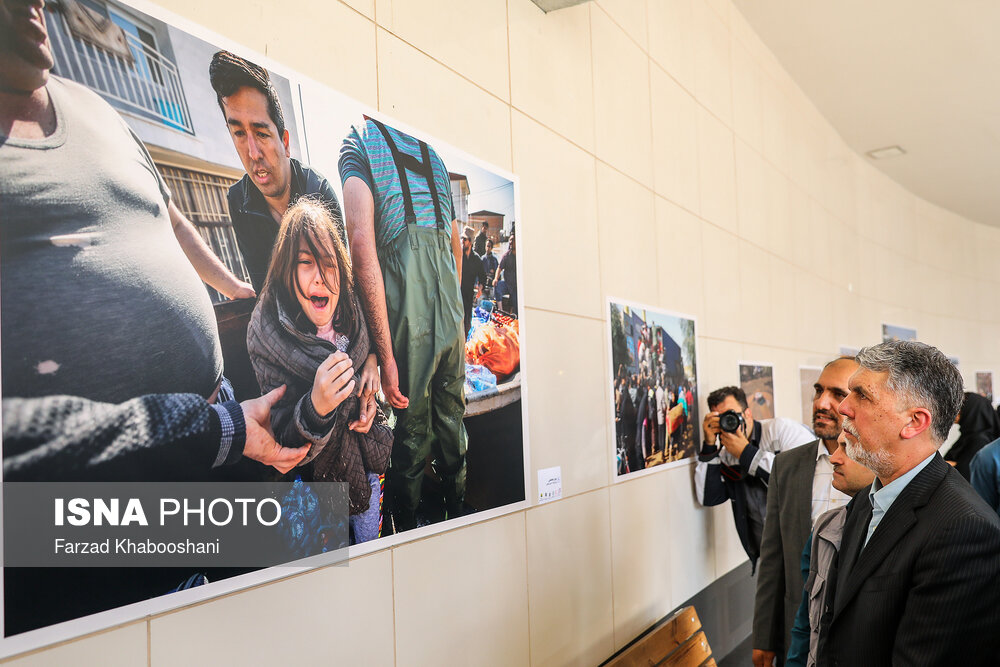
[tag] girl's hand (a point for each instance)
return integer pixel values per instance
(367, 416)
(369, 377)
(333, 383)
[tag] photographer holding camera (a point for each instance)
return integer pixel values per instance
(739, 470)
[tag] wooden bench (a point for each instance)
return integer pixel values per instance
(677, 641)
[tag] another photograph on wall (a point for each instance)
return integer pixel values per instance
(654, 374)
(808, 376)
(849, 351)
(757, 382)
(984, 384)
(215, 226)
(893, 332)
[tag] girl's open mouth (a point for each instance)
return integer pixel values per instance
(319, 302)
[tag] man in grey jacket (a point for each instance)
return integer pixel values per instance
(849, 477)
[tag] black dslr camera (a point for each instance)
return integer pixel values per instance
(731, 421)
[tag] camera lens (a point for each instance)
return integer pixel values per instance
(729, 421)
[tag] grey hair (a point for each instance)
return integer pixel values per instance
(920, 375)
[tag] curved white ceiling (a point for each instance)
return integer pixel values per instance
(921, 74)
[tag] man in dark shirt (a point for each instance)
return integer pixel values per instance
(472, 273)
(480, 244)
(490, 263)
(273, 179)
(508, 268)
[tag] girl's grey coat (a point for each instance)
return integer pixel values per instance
(281, 353)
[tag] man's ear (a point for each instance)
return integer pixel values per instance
(284, 140)
(920, 421)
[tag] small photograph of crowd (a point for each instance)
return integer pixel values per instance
(808, 376)
(260, 279)
(984, 384)
(757, 382)
(654, 365)
(891, 332)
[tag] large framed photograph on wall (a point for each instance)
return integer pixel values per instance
(654, 387)
(251, 279)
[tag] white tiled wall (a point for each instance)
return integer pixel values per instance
(665, 157)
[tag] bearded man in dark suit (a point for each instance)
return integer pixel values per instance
(920, 558)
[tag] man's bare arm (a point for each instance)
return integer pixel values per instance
(209, 267)
(359, 217)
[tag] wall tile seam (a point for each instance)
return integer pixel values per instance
(772, 253)
(871, 239)
(726, 20)
(729, 63)
(730, 125)
(527, 577)
(792, 263)
(776, 348)
(795, 97)
(794, 183)
(611, 559)
(435, 60)
(649, 34)
(766, 64)
(597, 205)
(392, 576)
(563, 313)
(359, 12)
(820, 128)
(527, 114)
(726, 27)
(540, 507)
(597, 196)
(592, 153)
(653, 472)
(253, 587)
(611, 547)
(764, 346)
(549, 128)
(73, 640)
(652, 175)
(753, 243)
(378, 84)
(618, 25)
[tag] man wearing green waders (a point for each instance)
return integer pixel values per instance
(406, 256)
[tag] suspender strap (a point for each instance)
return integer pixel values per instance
(404, 183)
(425, 153)
(422, 167)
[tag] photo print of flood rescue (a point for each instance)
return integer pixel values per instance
(193, 206)
(655, 389)
(757, 382)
